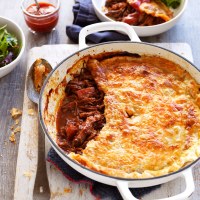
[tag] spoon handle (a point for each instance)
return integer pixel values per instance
(37, 4)
(41, 187)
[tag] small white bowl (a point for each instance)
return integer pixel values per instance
(13, 28)
(144, 31)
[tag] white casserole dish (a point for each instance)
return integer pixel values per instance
(49, 100)
(144, 31)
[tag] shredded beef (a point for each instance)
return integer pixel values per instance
(122, 10)
(81, 114)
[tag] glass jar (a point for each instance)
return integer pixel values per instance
(43, 19)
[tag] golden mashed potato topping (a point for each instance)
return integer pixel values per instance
(152, 118)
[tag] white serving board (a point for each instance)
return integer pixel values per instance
(60, 187)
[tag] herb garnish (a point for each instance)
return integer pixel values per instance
(172, 3)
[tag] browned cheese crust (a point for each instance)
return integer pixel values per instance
(152, 118)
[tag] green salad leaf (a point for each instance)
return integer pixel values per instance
(172, 3)
(9, 47)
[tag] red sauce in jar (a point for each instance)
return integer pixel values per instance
(42, 20)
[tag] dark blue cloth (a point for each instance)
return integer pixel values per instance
(84, 15)
(99, 190)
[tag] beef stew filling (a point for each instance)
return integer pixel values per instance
(81, 113)
(134, 13)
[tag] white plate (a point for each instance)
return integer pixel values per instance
(144, 31)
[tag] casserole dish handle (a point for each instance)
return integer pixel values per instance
(189, 189)
(105, 26)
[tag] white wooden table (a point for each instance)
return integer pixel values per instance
(12, 86)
